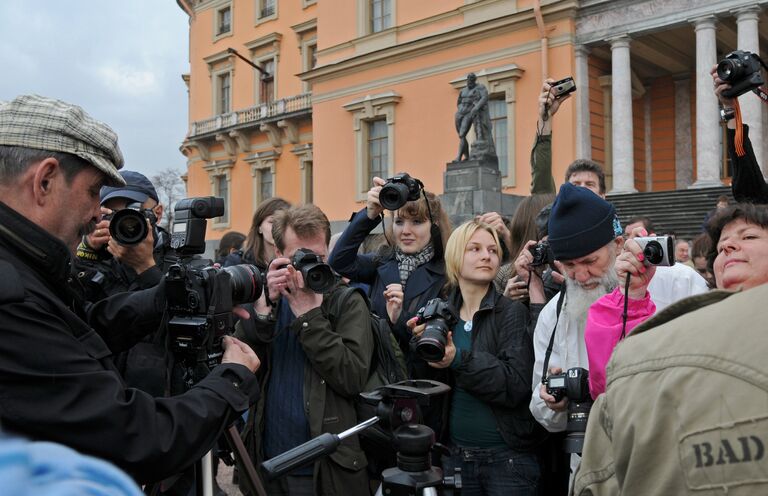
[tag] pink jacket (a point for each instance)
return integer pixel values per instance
(603, 331)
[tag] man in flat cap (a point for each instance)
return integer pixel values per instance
(57, 381)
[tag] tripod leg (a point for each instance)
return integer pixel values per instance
(206, 475)
(244, 462)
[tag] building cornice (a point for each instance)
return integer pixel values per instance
(270, 39)
(599, 20)
(442, 41)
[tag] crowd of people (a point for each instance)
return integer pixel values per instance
(670, 353)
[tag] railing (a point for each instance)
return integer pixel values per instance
(256, 113)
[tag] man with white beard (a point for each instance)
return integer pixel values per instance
(582, 236)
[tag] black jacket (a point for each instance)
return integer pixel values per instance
(57, 382)
(748, 183)
(378, 271)
(498, 369)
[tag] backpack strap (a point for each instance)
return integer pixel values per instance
(346, 294)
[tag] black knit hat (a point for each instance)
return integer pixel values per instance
(580, 222)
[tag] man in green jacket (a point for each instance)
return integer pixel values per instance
(316, 350)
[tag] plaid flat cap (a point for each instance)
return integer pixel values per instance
(42, 123)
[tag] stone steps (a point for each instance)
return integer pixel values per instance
(679, 212)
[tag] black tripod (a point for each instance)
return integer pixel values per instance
(397, 410)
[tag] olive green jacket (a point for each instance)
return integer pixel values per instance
(338, 360)
(685, 411)
(541, 166)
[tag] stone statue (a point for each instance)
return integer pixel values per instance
(472, 110)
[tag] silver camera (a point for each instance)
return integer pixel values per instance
(658, 250)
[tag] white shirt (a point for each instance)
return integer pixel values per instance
(668, 285)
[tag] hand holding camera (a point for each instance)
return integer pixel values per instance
(139, 257)
(100, 235)
(374, 208)
(641, 255)
(554, 396)
(553, 94)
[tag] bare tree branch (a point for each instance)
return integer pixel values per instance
(170, 189)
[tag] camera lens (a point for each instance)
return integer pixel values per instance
(431, 345)
(393, 196)
(318, 277)
(245, 282)
(729, 69)
(654, 252)
(128, 227)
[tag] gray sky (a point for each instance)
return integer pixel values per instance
(120, 60)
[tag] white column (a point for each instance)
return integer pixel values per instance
(623, 137)
(683, 137)
(583, 128)
(752, 113)
(708, 157)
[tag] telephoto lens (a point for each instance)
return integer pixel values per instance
(246, 283)
(440, 318)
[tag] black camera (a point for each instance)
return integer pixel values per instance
(128, 226)
(200, 300)
(439, 317)
(574, 385)
(542, 254)
(200, 297)
(318, 275)
(658, 250)
(399, 190)
(740, 69)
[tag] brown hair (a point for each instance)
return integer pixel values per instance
(523, 227)
(417, 210)
(700, 245)
(586, 165)
(254, 243)
(748, 212)
(306, 221)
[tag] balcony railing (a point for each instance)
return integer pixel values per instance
(253, 114)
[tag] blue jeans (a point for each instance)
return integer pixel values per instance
(494, 472)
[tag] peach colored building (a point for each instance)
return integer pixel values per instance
(357, 88)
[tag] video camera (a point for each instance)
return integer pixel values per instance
(399, 190)
(574, 385)
(440, 317)
(740, 69)
(200, 296)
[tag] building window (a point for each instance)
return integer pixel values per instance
(222, 191)
(498, 110)
(265, 183)
(267, 82)
(266, 8)
(224, 21)
(307, 196)
(378, 161)
(380, 15)
(223, 101)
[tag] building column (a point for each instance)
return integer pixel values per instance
(683, 138)
(583, 128)
(605, 85)
(752, 113)
(708, 157)
(623, 138)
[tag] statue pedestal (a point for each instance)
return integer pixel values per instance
(472, 187)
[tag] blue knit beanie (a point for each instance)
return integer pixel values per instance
(580, 222)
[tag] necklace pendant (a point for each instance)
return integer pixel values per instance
(468, 326)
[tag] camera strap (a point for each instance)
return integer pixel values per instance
(560, 300)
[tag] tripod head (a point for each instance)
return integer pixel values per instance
(398, 410)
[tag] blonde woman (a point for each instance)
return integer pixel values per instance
(489, 360)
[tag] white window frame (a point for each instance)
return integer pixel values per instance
(259, 162)
(260, 7)
(369, 108)
(217, 21)
(215, 170)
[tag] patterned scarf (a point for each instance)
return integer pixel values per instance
(408, 263)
